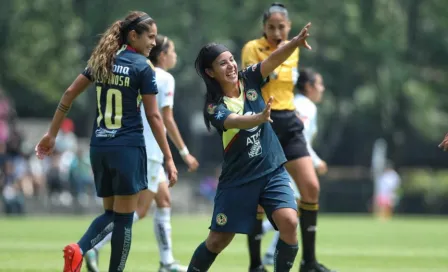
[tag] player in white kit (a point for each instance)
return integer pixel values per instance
(163, 56)
(311, 88)
(385, 192)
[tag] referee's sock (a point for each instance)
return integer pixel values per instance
(308, 222)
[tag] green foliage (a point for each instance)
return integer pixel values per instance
(44, 52)
(384, 62)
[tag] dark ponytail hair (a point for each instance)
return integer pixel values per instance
(275, 7)
(204, 60)
(306, 75)
(162, 45)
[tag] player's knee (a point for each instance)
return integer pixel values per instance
(163, 201)
(218, 241)
(141, 212)
(312, 191)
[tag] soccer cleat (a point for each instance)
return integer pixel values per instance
(258, 269)
(173, 267)
(92, 260)
(268, 259)
(72, 258)
(314, 267)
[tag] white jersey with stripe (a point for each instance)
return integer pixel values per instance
(307, 111)
(165, 98)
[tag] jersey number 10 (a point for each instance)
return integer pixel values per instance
(114, 108)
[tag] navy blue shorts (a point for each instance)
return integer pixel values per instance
(235, 208)
(118, 170)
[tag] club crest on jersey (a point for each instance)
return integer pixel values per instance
(221, 219)
(252, 95)
(211, 109)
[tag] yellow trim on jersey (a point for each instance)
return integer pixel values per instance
(235, 105)
(281, 82)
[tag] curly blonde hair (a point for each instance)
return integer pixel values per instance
(103, 56)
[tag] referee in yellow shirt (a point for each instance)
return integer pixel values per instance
(288, 127)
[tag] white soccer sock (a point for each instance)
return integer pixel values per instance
(136, 217)
(162, 230)
(273, 245)
(267, 226)
(109, 236)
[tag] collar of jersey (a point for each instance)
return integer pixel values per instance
(264, 43)
(242, 94)
(130, 48)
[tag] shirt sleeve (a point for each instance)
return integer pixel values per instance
(167, 93)
(253, 74)
(217, 114)
(248, 55)
(87, 73)
(148, 83)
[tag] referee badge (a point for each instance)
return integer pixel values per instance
(252, 95)
(211, 109)
(221, 219)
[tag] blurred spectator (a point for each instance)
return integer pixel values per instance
(81, 178)
(4, 118)
(11, 188)
(385, 192)
(208, 185)
(66, 139)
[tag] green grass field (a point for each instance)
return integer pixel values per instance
(346, 243)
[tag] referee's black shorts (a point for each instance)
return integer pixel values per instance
(289, 130)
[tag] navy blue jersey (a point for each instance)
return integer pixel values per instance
(251, 153)
(118, 120)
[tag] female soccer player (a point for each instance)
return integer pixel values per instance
(164, 57)
(311, 88)
(252, 171)
(123, 78)
(288, 127)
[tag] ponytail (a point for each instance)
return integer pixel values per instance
(103, 56)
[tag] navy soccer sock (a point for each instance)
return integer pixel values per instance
(284, 256)
(98, 229)
(254, 242)
(202, 259)
(121, 241)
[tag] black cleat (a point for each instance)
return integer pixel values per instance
(314, 267)
(258, 269)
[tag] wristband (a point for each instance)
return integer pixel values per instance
(184, 151)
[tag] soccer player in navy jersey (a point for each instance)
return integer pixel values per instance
(252, 171)
(123, 78)
(163, 56)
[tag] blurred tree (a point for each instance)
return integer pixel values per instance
(384, 62)
(43, 50)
